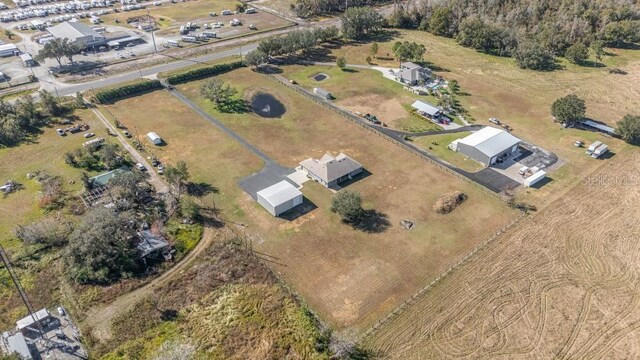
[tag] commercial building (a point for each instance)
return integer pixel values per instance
(7, 50)
(39, 320)
(279, 198)
(487, 146)
(78, 33)
(329, 170)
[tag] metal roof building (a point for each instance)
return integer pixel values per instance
(426, 109)
(8, 50)
(16, 344)
(487, 145)
(41, 316)
(78, 33)
(279, 198)
(329, 170)
(150, 243)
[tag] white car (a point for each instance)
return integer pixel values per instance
(141, 167)
(88, 135)
(60, 132)
(160, 169)
(61, 311)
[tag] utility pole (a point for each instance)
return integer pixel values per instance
(153, 37)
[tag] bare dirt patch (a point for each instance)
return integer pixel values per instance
(386, 108)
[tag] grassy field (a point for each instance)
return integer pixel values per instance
(365, 91)
(438, 145)
(559, 285)
(496, 87)
(351, 277)
(37, 270)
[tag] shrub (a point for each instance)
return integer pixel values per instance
(110, 95)
(186, 236)
(204, 72)
(448, 202)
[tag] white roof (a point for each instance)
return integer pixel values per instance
(26, 57)
(5, 47)
(153, 136)
(28, 320)
(73, 31)
(535, 178)
(599, 126)
(279, 193)
(425, 108)
(18, 345)
(490, 141)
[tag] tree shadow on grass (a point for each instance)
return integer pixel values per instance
(201, 189)
(370, 221)
(235, 106)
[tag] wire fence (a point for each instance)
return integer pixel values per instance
(356, 120)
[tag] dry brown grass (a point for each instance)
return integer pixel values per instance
(562, 284)
(350, 277)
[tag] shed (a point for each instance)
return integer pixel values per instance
(598, 126)
(426, 109)
(322, 93)
(8, 50)
(27, 60)
(487, 145)
(279, 198)
(536, 177)
(150, 243)
(154, 138)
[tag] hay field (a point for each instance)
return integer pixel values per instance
(351, 277)
(563, 284)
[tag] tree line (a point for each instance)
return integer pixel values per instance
(25, 117)
(533, 32)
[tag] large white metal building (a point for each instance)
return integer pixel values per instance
(487, 145)
(279, 198)
(77, 33)
(8, 50)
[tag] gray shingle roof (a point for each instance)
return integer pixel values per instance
(330, 168)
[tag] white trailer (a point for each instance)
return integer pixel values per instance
(599, 151)
(172, 43)
(154, 138)
(531, 180)
(191, 39)
(209, 34)
(593, 147)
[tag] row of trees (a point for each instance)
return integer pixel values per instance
(25, 116)
(532, 31)
(291, 43)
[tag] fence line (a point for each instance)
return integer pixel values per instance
(355, 120)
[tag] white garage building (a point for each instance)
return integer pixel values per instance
(279, 198)
(77, 33)
(486, 146)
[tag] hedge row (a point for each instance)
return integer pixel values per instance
(109, 95)
(204, 72)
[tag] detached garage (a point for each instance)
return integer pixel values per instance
(279, 198)
(486, 146)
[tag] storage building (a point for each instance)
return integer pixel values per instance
(535, 178)
(322, 93)
(27, 60)
(77, 33)
(154, 138)
(8, 50)
(33, 321)
(426, 109)
(279, 198)
(486, 146)
(329, 170)
(16, 344)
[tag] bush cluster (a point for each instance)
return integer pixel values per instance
(204, 72)
(110, 95)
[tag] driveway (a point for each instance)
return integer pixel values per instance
(271, 173)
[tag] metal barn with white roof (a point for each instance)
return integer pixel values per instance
(77, 33)
(279, 198)
(487, 145)
(426, 109)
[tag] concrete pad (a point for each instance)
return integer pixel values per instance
(299, 177)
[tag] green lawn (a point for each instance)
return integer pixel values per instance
(438, 145)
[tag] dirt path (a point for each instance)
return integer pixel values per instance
(154, 178)
(99, 319)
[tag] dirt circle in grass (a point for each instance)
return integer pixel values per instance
(320, 77)
(267, 106)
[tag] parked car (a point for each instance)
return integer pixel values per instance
(60, 132)
(154, 162)
(160, 169)
(61, 311)
(88, 135)
(141, 167)
(252, 27)
(494, 121)
(126, 133)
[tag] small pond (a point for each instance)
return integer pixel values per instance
(266, 105)
(320, 77)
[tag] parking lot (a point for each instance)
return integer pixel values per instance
(527, 156)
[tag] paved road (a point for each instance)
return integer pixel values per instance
(487, 177)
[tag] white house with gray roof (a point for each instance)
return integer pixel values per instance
(329, 170)
(487, 145)
(412, 73)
